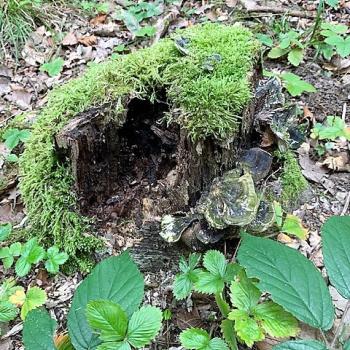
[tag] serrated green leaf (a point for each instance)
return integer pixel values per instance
(15, 249)
(194, 338)
(246, 327)
(114, 346)
(22, 267)
(277, 52)
(232, 270)
(295, 56)
(108, 318)
(13, 137)
(35, 297)
(216, 344)
(300, 345)
(208, 283)
(336, 252)
(332, 3)
(182, 286)
(265, 39)
(38, 331)
(215, 262)
(334, 28)
(295, 85)
(144, 325)
(228, 332)
(12, 158)
(341, 44)
(116, 279)
(291, 279)
(292, 225)
(54, 67)
(146, 31)
(55, 258)
(5, 231)
(275, 320)
(8, 311)
(244, 294)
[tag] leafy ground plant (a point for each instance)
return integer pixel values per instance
(247, 319)
(290, 279)
(103, 318)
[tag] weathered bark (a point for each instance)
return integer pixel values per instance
(165, 171)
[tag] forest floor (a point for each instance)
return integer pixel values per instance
(80, 36)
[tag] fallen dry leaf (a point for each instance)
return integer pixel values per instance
(89, 40)
(267, 343)
(99, 19)
(268, 138)
(231, 3)
(311, 170)
(70, 39)
(309, 115)
(339, 162)
(283, 238)
(20, 96)
(186, 319)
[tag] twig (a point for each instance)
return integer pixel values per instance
(341, 325)
(346, 205)
(282, 11)
(343, 115)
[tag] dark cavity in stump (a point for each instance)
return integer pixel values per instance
(136, 168)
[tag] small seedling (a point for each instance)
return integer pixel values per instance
(53, 68)
(55, 258)
(13, 137)
(331, 129)
(295, 85)
(5, 231)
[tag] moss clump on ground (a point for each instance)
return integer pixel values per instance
(293, 181)
(209, 85)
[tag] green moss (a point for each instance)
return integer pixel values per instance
(209, 86)
(293, 181)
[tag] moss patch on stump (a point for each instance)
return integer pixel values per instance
(205, 70)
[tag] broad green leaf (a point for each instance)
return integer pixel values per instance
(332, 3)
(295, 85)
(246, 327)
(228, 332)
(108, 318)
(193, 261)
(38, 331)
(293, 226)
(336, 252)
(347, 345)
(291, 279)
(22, 267)
(295, 56)
(215, 262)
(146, 31)
(144, 325)
(114, 346)
(35, 297)
(277, 52)
(333, 128)
(182, 286)
(55, 258)
(5, 231)
(13, 137)
(208, 283)
(342, 45)
(194, 338)
(216, 344)
(116, 279)
(333, 28)
(265, 39)
(8, 311)
(300, 345)
(7, 254)
(275, 320)
(53, 68)
(130, 21)
(232, 270)
(244, 294)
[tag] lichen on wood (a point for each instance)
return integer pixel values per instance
(206, 71)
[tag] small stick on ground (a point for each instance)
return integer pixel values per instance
(346, 205)
(282, 11)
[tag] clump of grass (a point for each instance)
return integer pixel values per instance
(18, 18)
(209, 100)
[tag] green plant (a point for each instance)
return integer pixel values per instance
(209, 105)
(13, 137)
(246, 319)
(289, 44)
(293, 281)
(17, 21)
(5, 231)
(30, 254)
(8, 311)
(93, 6)
(31, 300)
(112, 309)
(331, 129)
(295, 85)
(54, 67)
(336, 37)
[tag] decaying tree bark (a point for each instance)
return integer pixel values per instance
(140, 169)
